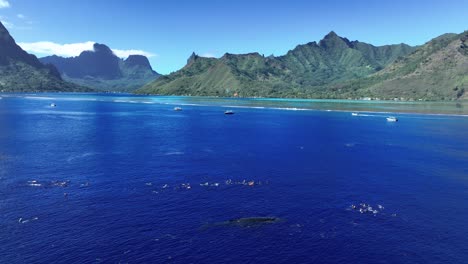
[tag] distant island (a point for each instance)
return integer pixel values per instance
(335, 67)
(103, 70)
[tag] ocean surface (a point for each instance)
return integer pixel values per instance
(126, 179)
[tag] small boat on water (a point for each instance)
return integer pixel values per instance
(53, 105)
(354, 114)
(392, 119)
(177, 108)
(228, 112)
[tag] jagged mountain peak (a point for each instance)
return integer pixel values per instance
(192, 58)
(331, 34)
(101, 48)
(333, 41)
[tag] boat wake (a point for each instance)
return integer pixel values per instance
(81, 156)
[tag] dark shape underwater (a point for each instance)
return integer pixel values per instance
(246, 222)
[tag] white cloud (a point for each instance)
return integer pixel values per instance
(20, 16)
(73, 49)
(126, 53)
(51, 48)
(4, 4)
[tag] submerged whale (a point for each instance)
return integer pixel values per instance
(247, 221)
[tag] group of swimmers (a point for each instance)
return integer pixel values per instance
(46, 184)
(364, 208)
(188, 186)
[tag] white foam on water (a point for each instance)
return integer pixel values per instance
(81, 156)
(171, 153)
(53, 112)
(24, 221)
(74, 117)
(38, 98)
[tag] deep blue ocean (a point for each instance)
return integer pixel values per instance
(126, 179)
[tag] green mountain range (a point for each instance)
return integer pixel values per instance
(23, 72)
(101, 69)
(332, 68)
(304, 71)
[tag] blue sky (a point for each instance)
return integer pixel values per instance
(169, 31)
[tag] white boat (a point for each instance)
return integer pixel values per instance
(53, 105)
(177, 108)
(228, 112)
(354, 114)
(392, 119)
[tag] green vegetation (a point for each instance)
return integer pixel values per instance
(333, 68)
(303, 72)
(435, 71)
(18, 76)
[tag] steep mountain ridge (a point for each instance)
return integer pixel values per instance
(436, 70)
(23, 72)
(302, 72)
(102, 69)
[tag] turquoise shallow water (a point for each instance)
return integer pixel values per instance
(121, 178)
(440, 107)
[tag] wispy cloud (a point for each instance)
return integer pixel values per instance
(4, 4)
(73, 49)
(20, 16)
(6, 23)
(21, 25)
(208, 55)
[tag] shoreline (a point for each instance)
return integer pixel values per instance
(49, 96)
(241, 98)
